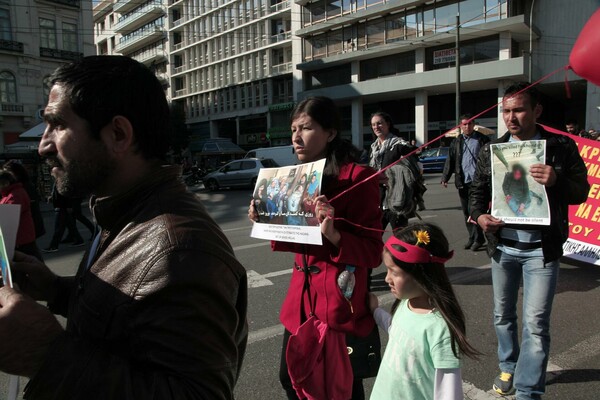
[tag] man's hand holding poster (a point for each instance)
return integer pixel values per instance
(516, 197)
(284, 199)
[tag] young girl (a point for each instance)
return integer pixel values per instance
(427, 331)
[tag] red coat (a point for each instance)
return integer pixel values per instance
(16, 194)
(359, 247)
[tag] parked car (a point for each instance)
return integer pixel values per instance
(238, 173)
(433, 160)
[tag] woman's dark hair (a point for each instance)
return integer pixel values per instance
(264, 184)
(386, 117)
(339, 151)
(7, 176)
(18, 170)
(433, 279)
(101, 87)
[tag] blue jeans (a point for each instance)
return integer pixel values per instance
(529, 361)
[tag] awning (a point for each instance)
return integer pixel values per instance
(21, 147)
(35, 132)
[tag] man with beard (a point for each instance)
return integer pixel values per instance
(157, 309)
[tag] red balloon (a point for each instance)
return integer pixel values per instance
(584, 58)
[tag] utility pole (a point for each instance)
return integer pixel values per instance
(457, 63)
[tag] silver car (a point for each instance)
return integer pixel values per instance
(238, 173)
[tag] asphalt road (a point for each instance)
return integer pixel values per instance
(575, 350)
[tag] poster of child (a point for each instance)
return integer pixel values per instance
(284, 199)
(516, 197)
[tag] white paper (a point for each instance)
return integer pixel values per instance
(284, 199)
(516, 197)
(9, 223)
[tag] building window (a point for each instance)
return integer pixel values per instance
(387, 66)
(47, 33)
(317, 11)
(8, 87)
(395, 28)
(5, 30)
(375, 32)
(329, 77)
(69, 35)
(334, 8)
(472, 12)
(471, 52)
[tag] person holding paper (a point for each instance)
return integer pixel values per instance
(13, 192)
(157, 309)
(527, 252)
(351, 232)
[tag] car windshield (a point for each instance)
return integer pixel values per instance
(429, 153)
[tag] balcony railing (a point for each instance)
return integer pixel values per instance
(281, 68)
(11, 108)
(11, 45)
(122, 6)
(144, 14)
(140, 37)
(149, 55)
(60, 54)
(181, 92)
(281, 37)
(179, 21)
(284, 5)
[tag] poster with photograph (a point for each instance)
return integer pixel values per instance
(285, 201)
(516, 197)
(4, 263)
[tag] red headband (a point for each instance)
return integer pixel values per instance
(414, 254)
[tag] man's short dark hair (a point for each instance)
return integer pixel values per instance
(523, 88)
(102, 87)
(466, 116)
(572, 121)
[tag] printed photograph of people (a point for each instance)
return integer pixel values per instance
(517, 198)
(286, 196)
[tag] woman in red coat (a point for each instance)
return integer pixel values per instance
(13, 192)
(316, 135)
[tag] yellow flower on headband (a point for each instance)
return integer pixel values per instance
(422, 237)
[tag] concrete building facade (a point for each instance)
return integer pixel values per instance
(136, 29)
(398, 56)
(36, 36)
(233, 68)
(238, 66)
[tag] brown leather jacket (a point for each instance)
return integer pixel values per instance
(161, 312)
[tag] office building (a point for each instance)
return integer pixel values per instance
(36, 36)
(136, 29)
(399, 57)
(233, 68)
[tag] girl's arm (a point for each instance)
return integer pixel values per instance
(382, 318)
(448, 384)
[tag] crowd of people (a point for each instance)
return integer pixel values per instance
(157, 308)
